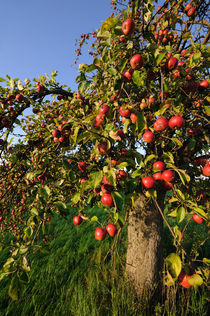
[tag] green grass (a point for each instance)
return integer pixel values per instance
(70, 277)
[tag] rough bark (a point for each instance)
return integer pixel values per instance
(144, 264)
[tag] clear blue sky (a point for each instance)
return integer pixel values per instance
(38, 36)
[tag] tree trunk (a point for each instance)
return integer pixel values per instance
(144, 264)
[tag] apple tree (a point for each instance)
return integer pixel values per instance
(133, 140)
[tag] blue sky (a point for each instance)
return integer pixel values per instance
(39, 36)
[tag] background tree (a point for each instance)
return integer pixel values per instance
(133, 140)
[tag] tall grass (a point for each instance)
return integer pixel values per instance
(73, 276)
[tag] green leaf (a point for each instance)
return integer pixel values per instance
(15, 288)
(148, 158)
(159, 58)
(2, 79)
(76, 131)
(138, 78)
(34, 211)
(141, 122)
(180, 195)
(96, 178)
(94, 219)
(119, 199)
(75, 198)
(43, 193)
(109, 23)
(195, 280)
(173, 213)
(174, 265)
(180, 214)
(60, 205)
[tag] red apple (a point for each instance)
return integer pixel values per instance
(137, 61)
(161, 124)
(206, 170)
(168, 175)
(167, 185)
(107, 199)
(82, 166)
(204, 84)
(157, 176)
(183, 279)
(188, 6)
(121, 174)
(100, 233)
(128, 74)
(82, 180)
(77, 220)
(111, 229)
(148, 182)
(148, 137)
(105, 181)
(124, 112)
(98, 120)
(5, 122)
(176, 122)
(102, 148)
(106, 188)
(56, 133)
(104, 110)
(171, 63)
(133, 118)
(191, 11)
(159, 165)
(128, 27)
(19, 97)
(120, 134)
(197, 218)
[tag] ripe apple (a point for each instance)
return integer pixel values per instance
(206, 170)
(104, 110)
(157, 176)
(176, 122)
(82, 166)
(82, 180)
(128, 27)
(161, 124)
(106, 188)
(102, 148)
(40, 88)
(159, 165)
(183, 279)
(5, 122)
(197, 218)
(56, 133)
(19, 97)
(111, 229)
(167, 185)
(171, 63)
(128, 74)
(204, 84)
(188, 6)
(168, 175)
(105, 181)
(124, 112)
(98, 120)
(100, 233)
(137, 61)
(121, 174)
(191, 11)
(120, 134)
(97, 190)
(148, 182)
(183, 52)
(77, 220)
(107, 199)
(133, 118)
(148, 137)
